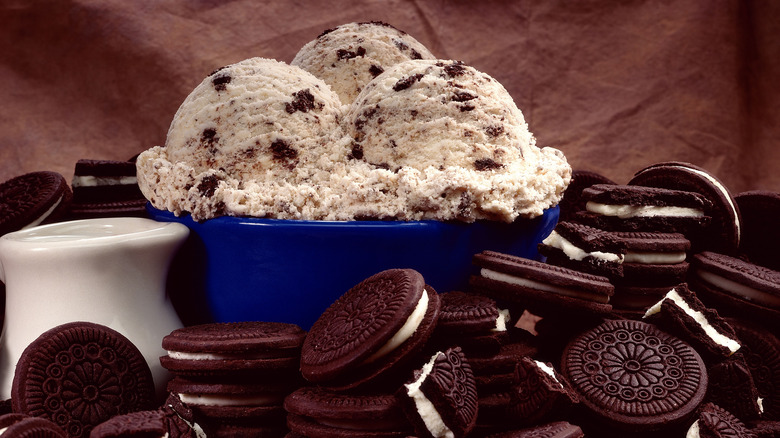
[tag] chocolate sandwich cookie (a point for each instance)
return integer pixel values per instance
(252, 347)
(572, 200)
(725, 228)
(583, 248)
(373, 329)
(716, 422)
(96, 181)
(441, 398)
(248, 398)
(496, 372)
(342, 414)
(681, 313)
(33, 199)
(631, 376)
(556, 429)
(731, 386)
(653, 259)
(735, 287)
(540, 287)
(539, 393)
(79, 375)
(759, 210)
(637, 208)
(761, 350)
(25, 426)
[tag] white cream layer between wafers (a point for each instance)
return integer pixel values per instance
(531, 284)
(406, 331)
(631, 211)
(574, 252)
(717, 337)
(425, 408)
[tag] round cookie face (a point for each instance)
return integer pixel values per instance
(25, 426)
(369, 328)
(32, 199)
(724, 231)
(634, 376)
(79, 375)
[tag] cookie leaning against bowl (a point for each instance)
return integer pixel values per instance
(633, 377)
(735, 287)
(80, 374)
(540, 287)
(33, 199)
(725, 228)
(371, 330)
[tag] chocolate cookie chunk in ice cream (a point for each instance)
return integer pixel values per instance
(351, 55)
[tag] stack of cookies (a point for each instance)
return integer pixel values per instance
(235, 376)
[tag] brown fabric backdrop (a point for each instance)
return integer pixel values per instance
(615, 85)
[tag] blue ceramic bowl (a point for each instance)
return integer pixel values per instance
(244, 269)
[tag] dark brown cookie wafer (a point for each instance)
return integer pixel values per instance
(305, 427)
(761, 350)
(25, 426)
(556, 429)
(356, 412)
(572, 200)
(539, 287)
(583, 248)
(715, 422)
(632, 376)
(375, 326)
(759, 210)
(732, 387)
(33, 199)
(467, 313)
(539, 393)
(736, 287)
(653, 259)
(725, 228)
(445, 385)
(141, 424)
(97, 181)
(79, 375)
(637, 298)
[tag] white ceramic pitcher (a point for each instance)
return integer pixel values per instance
(108, 271)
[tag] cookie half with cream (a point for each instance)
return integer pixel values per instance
(583, 248)
(371, 331)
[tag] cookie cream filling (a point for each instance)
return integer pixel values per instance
(94, 181)
(425, 408)
(744, 291)
(654, 258)
(43, 217)
(183, 355)
(406, 331)
(576, 253)
(723, 190)
(693, 431)
(531, 284)
(229, 400)
(630, 211)
(698, 317)
(549, 371)
(503, 317)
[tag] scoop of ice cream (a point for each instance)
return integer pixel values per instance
(351, 55)
(457, 140)
(257, 120)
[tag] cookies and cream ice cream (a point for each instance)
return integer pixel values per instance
(425, 139)
(351, 55)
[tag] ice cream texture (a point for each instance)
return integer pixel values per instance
(425, 139)
(349, 56)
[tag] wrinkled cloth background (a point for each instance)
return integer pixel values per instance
(615, 85)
